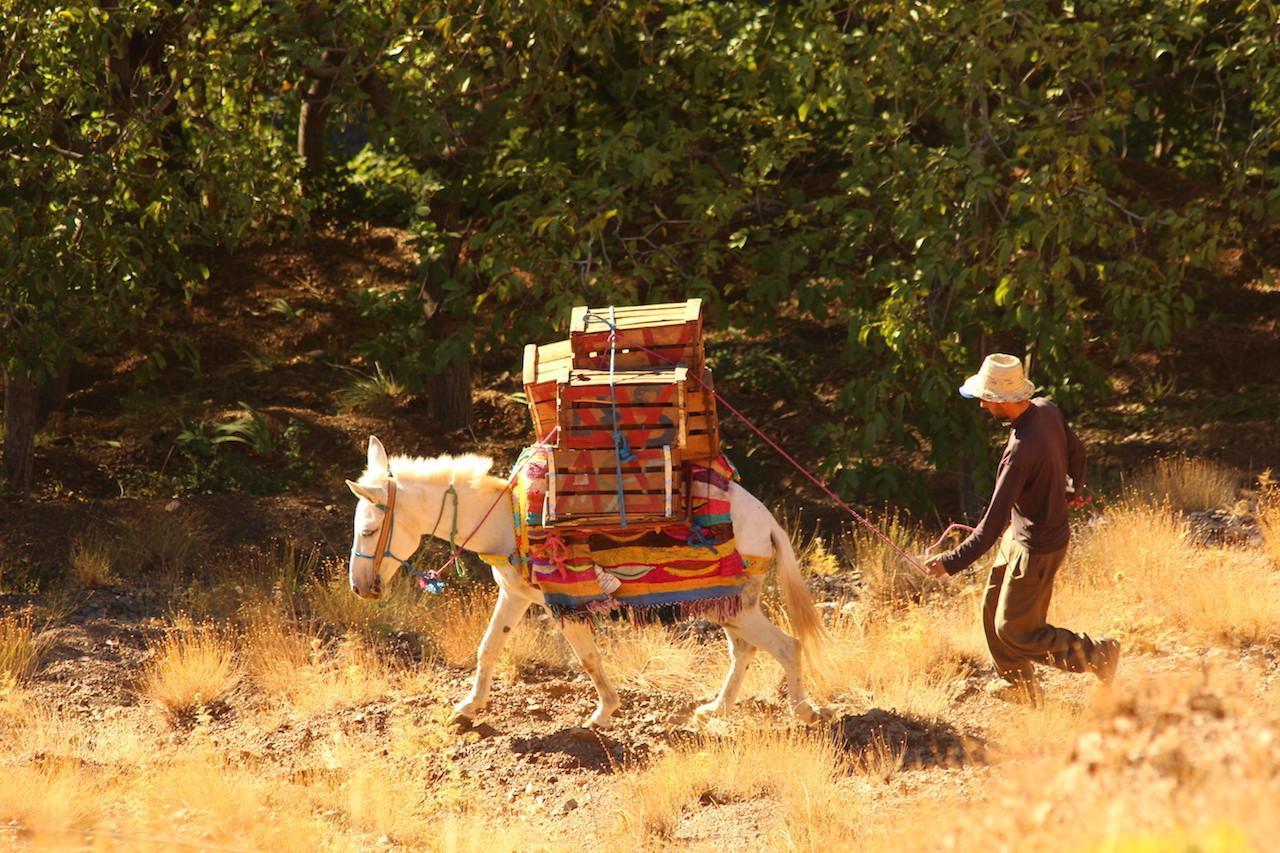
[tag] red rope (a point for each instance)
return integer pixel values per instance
(787, 456)
(453, 558)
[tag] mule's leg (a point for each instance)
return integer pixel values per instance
(756, 628)
(507, 613)
(578, 633)
(741, 653)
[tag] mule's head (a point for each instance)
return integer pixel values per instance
(371, 568)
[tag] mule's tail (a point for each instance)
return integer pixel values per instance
(805, 619)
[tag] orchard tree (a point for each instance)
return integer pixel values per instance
(125, 141)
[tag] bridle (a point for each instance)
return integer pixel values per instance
(383, 548)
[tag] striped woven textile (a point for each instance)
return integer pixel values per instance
(695, 566)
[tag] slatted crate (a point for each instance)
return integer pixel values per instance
(661, 335)
(544, 366)
(659, 392)
(648, 408)
(583, 490)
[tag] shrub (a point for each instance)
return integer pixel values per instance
(1186, 485)
(193, 667)
(21, 648)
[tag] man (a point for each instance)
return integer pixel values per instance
(1040, 473)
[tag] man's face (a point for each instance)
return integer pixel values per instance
(999, 411)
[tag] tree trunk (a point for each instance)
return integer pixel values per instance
(314, 117)
(449, 396)
(21, 413)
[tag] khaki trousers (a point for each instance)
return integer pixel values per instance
(1014, 616)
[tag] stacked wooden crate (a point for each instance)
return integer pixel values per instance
(639, 371)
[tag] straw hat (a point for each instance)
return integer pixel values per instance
(999, 380)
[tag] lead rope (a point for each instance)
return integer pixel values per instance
(431, 581)
(912, 561)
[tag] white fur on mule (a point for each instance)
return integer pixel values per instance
(422, 485)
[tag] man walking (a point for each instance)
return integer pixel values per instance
(1041, 471)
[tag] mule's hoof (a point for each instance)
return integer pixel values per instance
(461, 721)
(807, 713)
(709, 710)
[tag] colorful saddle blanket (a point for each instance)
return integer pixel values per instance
(695, 566)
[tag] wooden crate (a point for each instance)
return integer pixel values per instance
(661, 335)
(582, 488)
(702, 423)
(544, 366)
(661, 394)
(648, 407)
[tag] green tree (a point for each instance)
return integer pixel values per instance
(125, 140)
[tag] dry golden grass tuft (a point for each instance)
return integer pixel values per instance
(291, 659)
(913, 660)
(1269, 522)
(458, 621)
(167, 544)
(90, 565)
(1186, 484)
(1138, 574)
(798, 768)
(652, 658)
(887, 579)
(21, 648)
(52, 800)
(194, 666)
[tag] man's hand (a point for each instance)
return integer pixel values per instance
(933, 567)
(1076, 501)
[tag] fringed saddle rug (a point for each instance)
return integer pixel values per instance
(693, 566)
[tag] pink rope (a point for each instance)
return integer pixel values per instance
(787, 456)
(453, 558)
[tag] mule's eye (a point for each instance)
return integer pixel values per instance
(366, 532)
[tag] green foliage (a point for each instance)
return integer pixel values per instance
(944, 179)
(240, 454)
(940, 179)
(380, 392)
(385, 188)
(125, 136)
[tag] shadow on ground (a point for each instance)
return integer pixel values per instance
(922, 743)
(581, 748)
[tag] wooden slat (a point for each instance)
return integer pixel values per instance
(646, 459)
(698, 447)
(647, 394)
(638, 439)
(569, 505)
(606, 482)
(630, 316)
(687, 356)
(602, 417)
(639, 376)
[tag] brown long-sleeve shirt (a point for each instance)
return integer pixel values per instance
(1031, 488)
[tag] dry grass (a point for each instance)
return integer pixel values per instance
(21, 648)
(458, 621)
(193, 667)
(652, 658)
(888, 579)
(1186, 485)
(1139, 575)
(1269, 523)
(799, 769)
(1187, 743)
(911, 660)
(90, 565)
(168, 544)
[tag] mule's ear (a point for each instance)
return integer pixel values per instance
(366, 492)
(377, 455)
